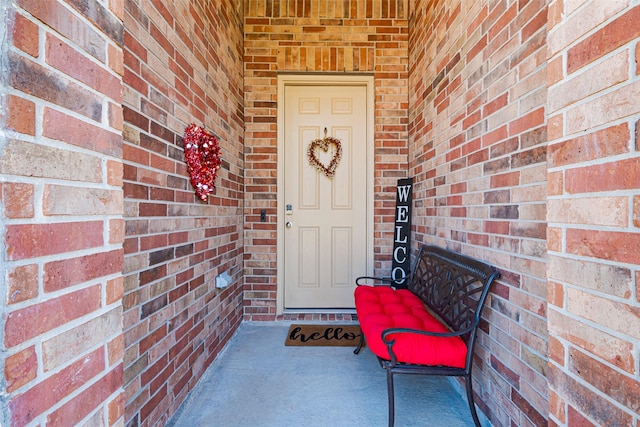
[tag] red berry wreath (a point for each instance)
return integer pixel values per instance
(202, 153)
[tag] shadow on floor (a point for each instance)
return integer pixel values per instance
(257, 381)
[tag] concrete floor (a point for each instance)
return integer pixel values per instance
(258, 381)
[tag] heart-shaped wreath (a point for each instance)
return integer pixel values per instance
(324, 145)
(202, 153)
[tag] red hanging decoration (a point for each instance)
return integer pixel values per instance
(202, 153)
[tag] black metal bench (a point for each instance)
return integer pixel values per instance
(451, 289)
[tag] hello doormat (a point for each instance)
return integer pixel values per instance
(323, 335)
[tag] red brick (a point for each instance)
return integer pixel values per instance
(490, 138)
(613, 350)
(21, 115)
(131, 79)
(496, 227)
(36, 80)
(34, 240)
(554, 239)
(62, 127)
(114, 173)
(555, 127)
(555, 183)
(115, 350)
(152, 371)
(510, 179)
(615, 34)
(116, 409)
(33, 402)
(528, 410)
(134, 46)
(25, 35)
(151, 339)
(577, 419)
(621, 388)
(555, 13)
(609, 245)
(34, 320)
(80, 406)
(584, 400)
(476, 48)
(23, 283)
(153, 242)
(18, 199)
(62, 20)
(136, 155)
(155, 400)
(471, 120)
(507, 374)
(73, 63)
(555, 294)
(20, 368)
(538, 22)
(162, 9)
(555, 71)
(594, 145)
(556, 351)
(495, 104)
(116, 231)
(527, 122)
(72, 271)
(116, 60)
(612, 176)
(114, 290)
(557, 406)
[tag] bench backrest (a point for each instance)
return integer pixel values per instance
(453, 286)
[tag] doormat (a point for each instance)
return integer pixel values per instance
(323, 335)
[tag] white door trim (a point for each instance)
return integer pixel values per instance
(329, 80)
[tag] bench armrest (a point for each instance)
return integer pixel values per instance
(386, 281)
(390, 331)
(391, 342)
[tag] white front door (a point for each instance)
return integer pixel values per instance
(326, 218)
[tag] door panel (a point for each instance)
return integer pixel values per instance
(325, 242)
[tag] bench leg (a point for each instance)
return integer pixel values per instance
(391, 397)
(472, 406)
(360, 344)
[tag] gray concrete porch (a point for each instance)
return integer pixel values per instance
(258, 381)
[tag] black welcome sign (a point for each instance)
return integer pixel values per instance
(401, 264)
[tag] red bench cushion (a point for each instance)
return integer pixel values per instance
(381, 307)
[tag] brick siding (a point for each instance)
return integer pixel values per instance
(62, 214)
(309, 36)
(477, 150)
(517, 119)
(182, 65)
(592, 211)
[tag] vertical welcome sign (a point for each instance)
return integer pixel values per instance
(401, 264)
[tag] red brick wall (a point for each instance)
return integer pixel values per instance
(317, 36)
(522, 127)
(182, 64)
(477, 150)
(62, 213)
(594, 213)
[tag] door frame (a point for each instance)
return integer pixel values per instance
(287, 79)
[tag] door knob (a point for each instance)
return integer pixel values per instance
(288, 224)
